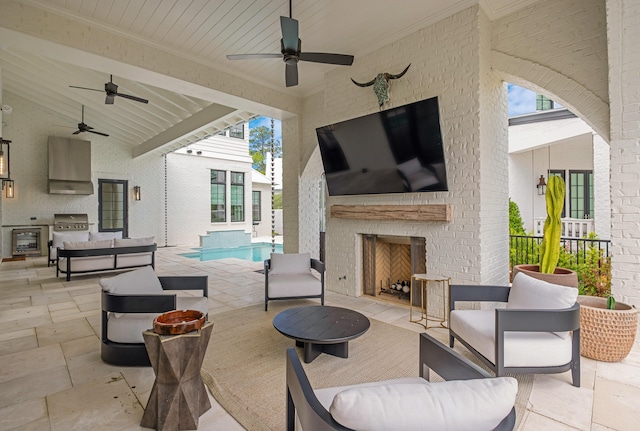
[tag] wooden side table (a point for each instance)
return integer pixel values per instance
(178, 397)
(421, 281)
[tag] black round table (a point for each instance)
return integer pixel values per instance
(321, 329)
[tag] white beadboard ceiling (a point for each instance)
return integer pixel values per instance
(206, 31)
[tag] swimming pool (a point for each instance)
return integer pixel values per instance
(256, 252)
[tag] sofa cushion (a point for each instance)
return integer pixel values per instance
(290, 263)
(84, 245)
(101, 236)
(521, 349)
(282, 286)
(86, 264)
(137, 282)
(133, 242)
(530, 293)
(479, 404)
(58, 238)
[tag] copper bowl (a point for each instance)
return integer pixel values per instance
(178, 322)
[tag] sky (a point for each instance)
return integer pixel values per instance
(266, 121)
(521, 101)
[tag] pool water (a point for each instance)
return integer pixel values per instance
(256, 252)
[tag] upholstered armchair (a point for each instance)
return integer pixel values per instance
(468, 399)
(538, 331)
(289, 276)
(130, 303)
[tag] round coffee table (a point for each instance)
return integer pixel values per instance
(321, 329)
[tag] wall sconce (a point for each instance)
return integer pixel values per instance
(136, 193)
(4, 160)
(8, 187)
(541, 185)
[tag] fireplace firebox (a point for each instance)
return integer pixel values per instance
(26, 242)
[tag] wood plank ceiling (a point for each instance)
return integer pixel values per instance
(206, 31)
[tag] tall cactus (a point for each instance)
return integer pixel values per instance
(550, 247)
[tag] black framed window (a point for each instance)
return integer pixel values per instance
(112, 206)
(218, 196)
(581, 194)
(237, 196)
(256, 207)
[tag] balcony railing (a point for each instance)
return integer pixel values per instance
(526, 249)
(571, 227)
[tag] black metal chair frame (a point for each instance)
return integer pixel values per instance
(561, 320)
(135, 354)
(316, 265)
(434, 355)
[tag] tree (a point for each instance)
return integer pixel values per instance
(260, 145)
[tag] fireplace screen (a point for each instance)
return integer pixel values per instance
(26, 242)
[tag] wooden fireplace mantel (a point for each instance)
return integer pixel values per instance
(432, 212)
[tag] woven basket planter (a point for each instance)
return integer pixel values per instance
(606, 335)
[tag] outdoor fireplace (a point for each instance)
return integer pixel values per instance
(389, 261)
(26, 242)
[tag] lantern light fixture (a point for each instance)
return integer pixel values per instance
(542, 185)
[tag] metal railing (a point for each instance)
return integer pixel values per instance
(526, 249)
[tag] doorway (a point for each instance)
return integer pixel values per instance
(113, 206)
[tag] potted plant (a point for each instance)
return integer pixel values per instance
(550, 247)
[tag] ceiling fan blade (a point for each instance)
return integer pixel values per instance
(289, 33)
(291, 74)
(84, 88)
(323, 57)
(109, 99)
(137, 99)
(97, 133)
(252, 56)
(78, 132)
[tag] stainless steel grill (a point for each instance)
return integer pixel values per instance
(68, 222)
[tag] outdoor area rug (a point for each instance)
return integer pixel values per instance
(244, 367)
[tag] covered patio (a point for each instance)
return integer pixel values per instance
(53, 378)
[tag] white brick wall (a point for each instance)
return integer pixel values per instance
(624, 83)
(453, 249)
(110, 160)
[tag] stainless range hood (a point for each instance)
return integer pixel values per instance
(69, 166)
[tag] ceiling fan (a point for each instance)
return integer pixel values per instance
(112, 91)
(82, 127)
(291, 47)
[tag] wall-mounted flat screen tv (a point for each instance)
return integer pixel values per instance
(399, 150)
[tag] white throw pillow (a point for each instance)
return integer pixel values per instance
(82, 245)
(143, 281)
(290, 263)
(101, 236)
(458, 405)
(60, 237)
(134, 242)
(530, 293)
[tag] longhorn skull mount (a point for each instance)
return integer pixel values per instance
(381, 85)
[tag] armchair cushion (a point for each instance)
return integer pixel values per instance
(283, 286)
(479, 404)
(521, 349)
(139, 281)
(530, 293)
(290, 263)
